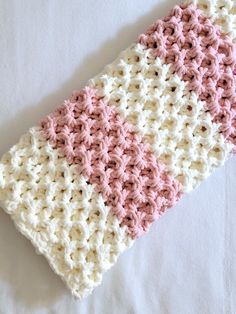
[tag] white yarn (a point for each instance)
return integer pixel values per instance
(221, 12)
(146, 92)
(60, 213)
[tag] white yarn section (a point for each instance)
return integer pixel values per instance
(146, 92)
(62, 215)
(221, 12)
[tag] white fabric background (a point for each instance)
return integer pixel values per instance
(187, 262)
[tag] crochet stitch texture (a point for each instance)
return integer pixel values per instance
(110, 156)
(170, 117)
(97, 172)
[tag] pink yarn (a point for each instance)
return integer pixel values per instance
(202, 56)
(109, 154)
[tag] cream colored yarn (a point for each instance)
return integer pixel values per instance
(59, 210)
(147, 93)
(60, 213)
(221, 12)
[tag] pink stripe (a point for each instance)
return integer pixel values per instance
(91, 134)
(203, 57)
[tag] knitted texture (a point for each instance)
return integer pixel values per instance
(157, 102)
(98, 171)
(111, 156)
(203, 57)
(62, 215)
(221, 12)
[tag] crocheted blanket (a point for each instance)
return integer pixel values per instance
(93, 176)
